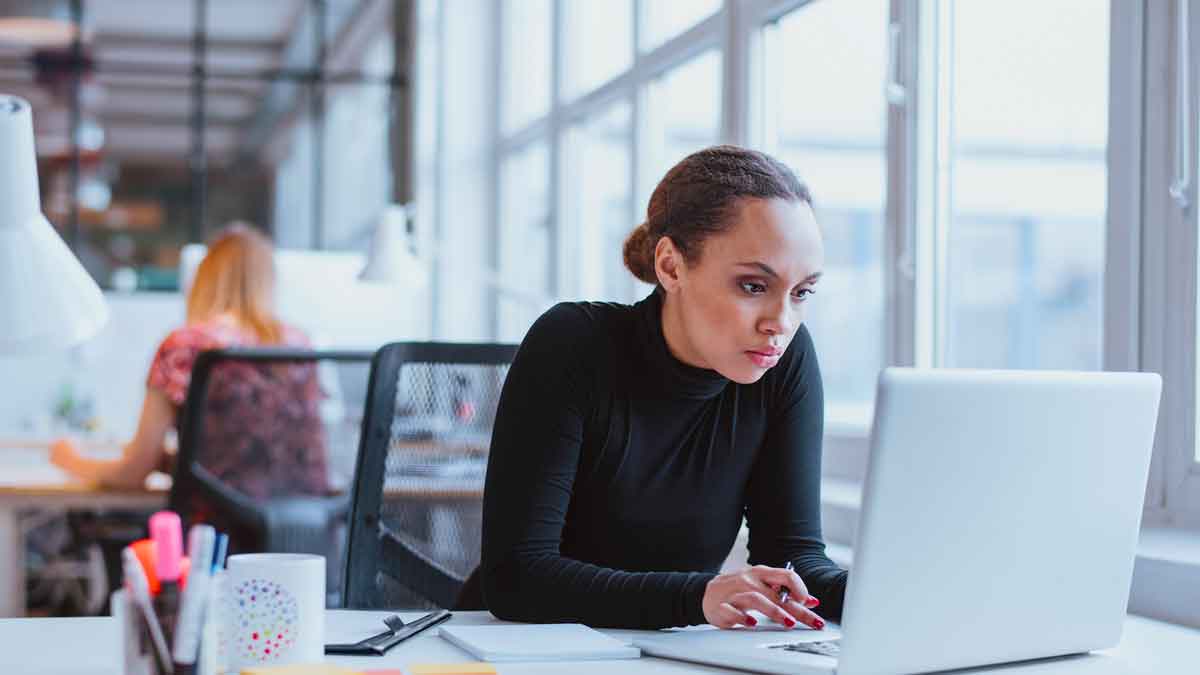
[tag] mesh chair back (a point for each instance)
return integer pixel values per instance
(415, 529)
(267, 441)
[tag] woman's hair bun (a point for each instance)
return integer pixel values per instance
(639, 254)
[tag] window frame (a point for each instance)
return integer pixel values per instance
(1171, 260)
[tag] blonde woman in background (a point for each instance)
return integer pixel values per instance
(230, 305)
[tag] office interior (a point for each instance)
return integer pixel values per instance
(1000, 185)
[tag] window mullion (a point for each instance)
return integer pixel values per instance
(560, 239)
(932, 184)
(737, 37)
(900, 217)
(495, 158)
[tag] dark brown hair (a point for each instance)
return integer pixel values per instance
(698, 197)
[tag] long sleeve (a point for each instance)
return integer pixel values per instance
(784, 495)
(535, 452)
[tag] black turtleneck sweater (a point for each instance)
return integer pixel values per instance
(619, 476)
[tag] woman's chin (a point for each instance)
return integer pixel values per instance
(744, 375)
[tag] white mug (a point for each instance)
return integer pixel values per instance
(274, 609)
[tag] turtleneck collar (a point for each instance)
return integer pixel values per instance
(672, 375)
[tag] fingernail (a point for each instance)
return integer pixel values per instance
(789, 622)
(751, 621)
(819, 624)
(812, 602)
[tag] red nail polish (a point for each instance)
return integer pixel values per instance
(790, 623)
(819, 624)
(751, 621)
(813, 602)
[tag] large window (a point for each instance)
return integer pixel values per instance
(991, 192)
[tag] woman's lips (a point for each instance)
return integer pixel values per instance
(764, 359)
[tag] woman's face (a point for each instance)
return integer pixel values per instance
(736, 308)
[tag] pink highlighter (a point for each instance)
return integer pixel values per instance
(167, 533)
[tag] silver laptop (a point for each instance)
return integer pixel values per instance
(996, 503)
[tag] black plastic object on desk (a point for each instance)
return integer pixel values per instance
(377, 645)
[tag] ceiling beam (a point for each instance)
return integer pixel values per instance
(182, 43)
(180, 88)
(168, 120)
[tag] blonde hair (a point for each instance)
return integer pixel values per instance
(237, 277)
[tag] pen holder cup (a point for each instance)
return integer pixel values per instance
(137, 645)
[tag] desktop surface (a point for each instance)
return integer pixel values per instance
(36, 646)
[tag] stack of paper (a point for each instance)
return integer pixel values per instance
(451, 669)
(538, 642)
(313, 669)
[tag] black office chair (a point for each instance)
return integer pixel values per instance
(267, 441)
(417, 511)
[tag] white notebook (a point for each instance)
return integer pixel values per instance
(538, 642)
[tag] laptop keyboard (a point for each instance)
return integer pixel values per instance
(823, 647)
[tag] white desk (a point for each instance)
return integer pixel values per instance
(90, 645)
(28, 481)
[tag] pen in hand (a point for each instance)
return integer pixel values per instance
(783, 593)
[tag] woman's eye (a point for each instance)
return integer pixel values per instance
(802, 293)
(753, 288)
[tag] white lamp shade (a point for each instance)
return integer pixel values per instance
(47, 299)
(390, 259)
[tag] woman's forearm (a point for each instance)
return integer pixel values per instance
(117, 473)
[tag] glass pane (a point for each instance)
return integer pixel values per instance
(664, 19)
(598, 43)
(829, 125)
(524, 239)
(1029, 102)
(597, 209)
(683, 114)
(526, 62)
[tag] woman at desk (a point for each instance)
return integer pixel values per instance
(630, 440)
(229, 305)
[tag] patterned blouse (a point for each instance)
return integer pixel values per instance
(262, 433)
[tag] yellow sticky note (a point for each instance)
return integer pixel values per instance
(452, 669)
(303, 669)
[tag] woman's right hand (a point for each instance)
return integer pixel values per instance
(728, 598)
(64, 453)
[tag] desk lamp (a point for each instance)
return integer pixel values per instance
(390, 259)
(47, 299)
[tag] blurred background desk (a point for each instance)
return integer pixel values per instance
(29, 482)
(445, 507)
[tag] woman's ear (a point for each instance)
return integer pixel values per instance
(668, 264)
